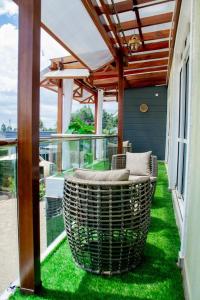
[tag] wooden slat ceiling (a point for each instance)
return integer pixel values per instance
(152, 21)
(149, 65)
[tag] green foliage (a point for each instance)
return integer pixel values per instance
(42, 190)
(80, 127)
(85, 114)
(109, 123)
(12, 185)
(3, 152)
(81, 119)
(88, 159)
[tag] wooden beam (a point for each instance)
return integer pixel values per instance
(28, 145)
(153, 46)
(145, 83)
(145, 64)
(122, 6)
(135, 9)
(111, 21)
(173, 34)
(146, 70)
(148, 56)
(150, 36)
(120, 103)
(113, 74)
(94, 16)
(147, 21)
(147, 76)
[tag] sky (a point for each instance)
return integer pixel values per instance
(8, 70)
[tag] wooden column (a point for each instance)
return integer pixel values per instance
(120, 103)
(28, 144)
(60, 123)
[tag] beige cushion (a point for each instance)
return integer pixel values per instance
(125, 143)
(137, 179)
(114, 175)
(138, 163)
(153, 179)
(141, 178)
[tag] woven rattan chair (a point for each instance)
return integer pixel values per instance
(112, 150)
(106, 223)
(119, 162)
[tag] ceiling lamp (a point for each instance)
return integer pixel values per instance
(134, 43)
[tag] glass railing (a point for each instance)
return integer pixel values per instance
(58, 157)
(8, 216)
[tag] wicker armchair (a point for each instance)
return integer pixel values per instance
(119, 162)
(106, 223)
(113, 150)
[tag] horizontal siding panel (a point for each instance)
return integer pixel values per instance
(146, 131)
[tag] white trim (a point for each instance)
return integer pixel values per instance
(177, 211)
(186, 283)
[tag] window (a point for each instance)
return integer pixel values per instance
(183, 127)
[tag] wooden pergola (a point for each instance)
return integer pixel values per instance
(112, 70)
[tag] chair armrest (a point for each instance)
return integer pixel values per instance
(154, 166)
(118, 161)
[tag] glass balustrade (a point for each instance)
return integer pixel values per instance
(58, 157)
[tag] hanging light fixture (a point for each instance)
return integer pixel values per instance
(134, 43)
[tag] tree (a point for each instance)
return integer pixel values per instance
(79, 126)
(41, 125)
(3, 127)
(85, 114)
(109, 123)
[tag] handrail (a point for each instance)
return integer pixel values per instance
(58, 137)
(8, 142)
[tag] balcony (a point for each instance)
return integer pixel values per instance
(158, 276)
(144, 56)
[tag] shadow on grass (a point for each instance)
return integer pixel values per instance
(82, 294)
(158, 224)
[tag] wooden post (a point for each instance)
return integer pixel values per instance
(60, 123)
(120, 103)
(28, 144)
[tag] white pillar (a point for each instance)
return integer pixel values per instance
(99, 112)
(67, 103)
(67, 109)
(99, 143)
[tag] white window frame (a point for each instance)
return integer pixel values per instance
(185, 56)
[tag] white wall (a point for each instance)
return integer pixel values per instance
(190, 231)
(191, 242)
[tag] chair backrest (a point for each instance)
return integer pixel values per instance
(119, 162)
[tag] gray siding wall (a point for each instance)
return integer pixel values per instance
(146, 131)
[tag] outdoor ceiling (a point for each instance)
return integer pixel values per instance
(96, 31)
(152, 22)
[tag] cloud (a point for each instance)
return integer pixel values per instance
(8, 58)
(9, 74)
(8, 7)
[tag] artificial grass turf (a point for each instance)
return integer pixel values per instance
(156, 278)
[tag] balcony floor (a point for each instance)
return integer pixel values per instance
(157, 277)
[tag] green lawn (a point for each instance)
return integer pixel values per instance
(156, 278)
